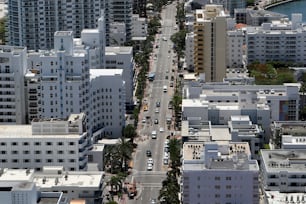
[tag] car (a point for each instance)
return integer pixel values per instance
(148, 152)
(168, 56)
(153, 201)
(169, 51)
(165, 161)
(156, 110)
(149, 167)
(154, 134)
(171, 84)
(164, 39)
(166, 77)
(167, 141)
(150, 161)
(161, 129)
(157, 104)
(166, 149)
(166, 155)
(156, 121)
(144, 120)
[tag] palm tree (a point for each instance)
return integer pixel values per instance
(130, 132)
(125, 149)
(115, 183)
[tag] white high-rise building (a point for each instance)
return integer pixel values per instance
(122, 58)
(13, 67)
(94, 39)
(282, 41)
(64, 78)
(46, 142)
(235, 48)
(107, 93)
(189, 51)
(219, 173)
(33, 23)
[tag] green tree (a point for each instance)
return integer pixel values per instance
(130, 132)
(2, 30)
(124, 150)
(115, 184)
(178, 39)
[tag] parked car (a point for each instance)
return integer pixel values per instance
(149, 154)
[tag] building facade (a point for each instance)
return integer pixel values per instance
(33, 23)
(12, 94)
(210, 42)
(64, 78)
(122, 58)
(46, 142)
(219, 174)
(282, 41)
(107, 93)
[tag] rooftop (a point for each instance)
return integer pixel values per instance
(119, 50)
(228, 156)
(94, 73)
(284, 160)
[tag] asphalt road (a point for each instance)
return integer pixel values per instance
(149, 182)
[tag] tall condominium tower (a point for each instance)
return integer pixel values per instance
(32, 23)
(210, 42)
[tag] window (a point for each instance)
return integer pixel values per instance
(49, 152)
(3, 152)
(228, 196)
(60, 152)
(14, 143)
(2, 143)
(217, 178)
(37, 152)
(72, 160)
(25, 144)
(37, 160)
(37, 144)
(26, 152)
(71, 152)
(71, 143)
(49, 160)
(26, 160)
(14, 152)
(48, 143)
(60, 160)
(15, 161)
(228, 178)
(60, 143)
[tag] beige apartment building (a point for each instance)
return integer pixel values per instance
(210, 42)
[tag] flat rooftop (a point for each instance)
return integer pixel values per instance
(284, 160)
(75, 179)
(25, 131)
(119, 50)
(94, 73)
(231, 156)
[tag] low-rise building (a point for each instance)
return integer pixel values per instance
(53, 184)
(288, 134)
(283, 170)
(217, 102)
(46, 142)
(219, 173)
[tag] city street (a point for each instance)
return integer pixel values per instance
(149, 181)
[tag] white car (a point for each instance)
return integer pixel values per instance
(156, 110)
(166, 155)
(144, 120)
(161, 129)
(149, 167)
(150, 161)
